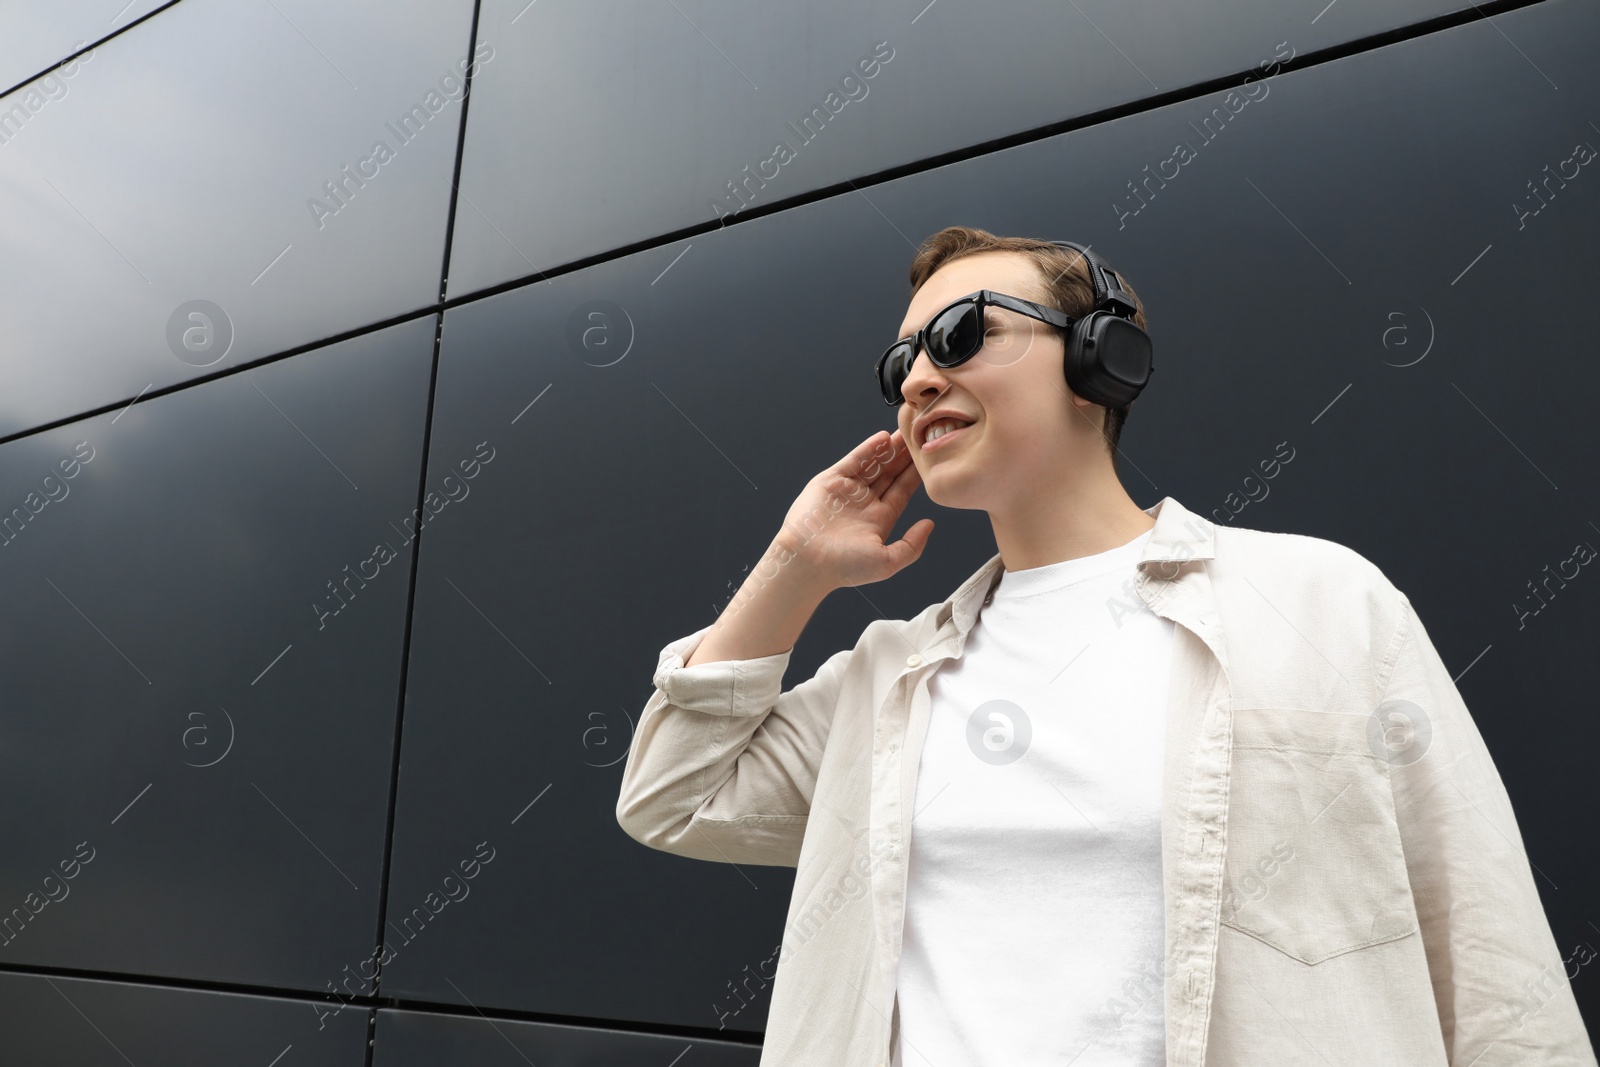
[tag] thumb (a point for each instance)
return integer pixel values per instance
(909, 548)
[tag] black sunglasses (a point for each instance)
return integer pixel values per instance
(953, 336)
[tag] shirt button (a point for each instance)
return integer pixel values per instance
(913, 661)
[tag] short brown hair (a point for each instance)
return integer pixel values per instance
(1064, 282)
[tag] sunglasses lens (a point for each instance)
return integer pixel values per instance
(953, 337)
(896, 365)
(955, 334)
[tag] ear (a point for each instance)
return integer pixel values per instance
(1083, 403)
(1086, 410)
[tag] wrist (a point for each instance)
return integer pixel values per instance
(781, 564)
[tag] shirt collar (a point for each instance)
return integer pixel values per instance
(1179, 536)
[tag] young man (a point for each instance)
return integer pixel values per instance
(1143, 790)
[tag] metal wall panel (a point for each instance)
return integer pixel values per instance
(190, 171)
(36, 37)
(414, 1039)
(78, 1022)
(640, 119)
(201, 688)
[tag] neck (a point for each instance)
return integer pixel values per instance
(1081, 518)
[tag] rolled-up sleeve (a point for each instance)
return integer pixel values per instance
(724, 763)
(1498, 979)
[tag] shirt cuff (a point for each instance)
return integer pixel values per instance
(726, 687)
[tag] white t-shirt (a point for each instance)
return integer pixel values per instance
(1034, 925)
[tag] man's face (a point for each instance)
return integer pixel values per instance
(1025, 422)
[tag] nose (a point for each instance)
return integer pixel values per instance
(925, 381)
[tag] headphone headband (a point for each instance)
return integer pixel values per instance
(1109, 292)
(1107, 354)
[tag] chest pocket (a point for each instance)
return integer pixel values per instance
(1314, 865)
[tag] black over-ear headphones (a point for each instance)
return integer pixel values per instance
(1107, 359)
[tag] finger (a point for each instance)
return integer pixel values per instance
(899, 491)
(908, 549)
(885, 465)
(859, 458)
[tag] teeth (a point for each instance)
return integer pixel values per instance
(942, 427)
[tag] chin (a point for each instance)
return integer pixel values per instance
(951, 492)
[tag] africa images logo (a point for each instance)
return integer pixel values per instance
(998, 732)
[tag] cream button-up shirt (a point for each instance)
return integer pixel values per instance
(1344, 879)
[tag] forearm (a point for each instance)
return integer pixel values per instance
(767, 614)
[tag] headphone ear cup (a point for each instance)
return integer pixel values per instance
(1107, 359)
(1073, 363)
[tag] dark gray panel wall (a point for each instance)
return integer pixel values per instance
(641, 120)
(1317, 240)
(411, 1039)
(193, 723)
(186, 163)
(596, 500)
(75, 1022)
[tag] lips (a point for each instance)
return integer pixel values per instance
(926, 422)
(944, 439)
